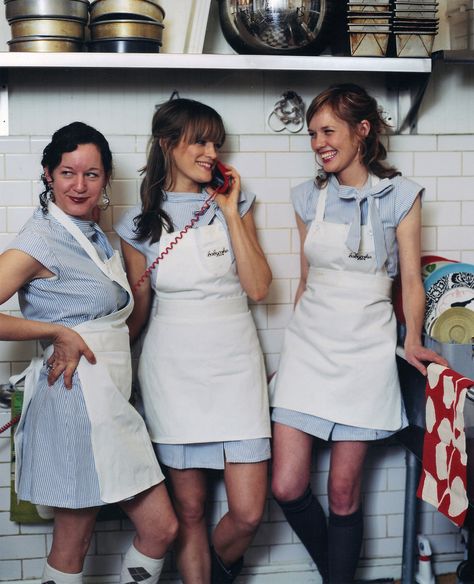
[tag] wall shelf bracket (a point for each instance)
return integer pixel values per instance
(409, 90)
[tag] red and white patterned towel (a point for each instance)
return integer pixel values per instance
(443, 478)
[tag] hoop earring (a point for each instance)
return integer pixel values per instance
(104, 204)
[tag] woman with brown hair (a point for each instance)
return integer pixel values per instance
(359, 223)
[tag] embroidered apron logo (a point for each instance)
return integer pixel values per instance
(217, 252)
(358, 256)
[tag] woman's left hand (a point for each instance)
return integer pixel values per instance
(228, 201)
(417, 355)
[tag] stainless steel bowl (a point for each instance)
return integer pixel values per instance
(72, 9)
(283, 27)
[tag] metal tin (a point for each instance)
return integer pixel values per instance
(70, 9)
(111, 9)
(36, 44)
(137, 29)
(47, 27)
(124, 46)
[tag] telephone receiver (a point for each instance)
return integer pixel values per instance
(220, 182)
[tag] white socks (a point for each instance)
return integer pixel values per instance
(53, 576)
(139, 568)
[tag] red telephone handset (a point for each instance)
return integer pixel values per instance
(220, 184)
(220, 181)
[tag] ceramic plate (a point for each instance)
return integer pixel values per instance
(455, 325)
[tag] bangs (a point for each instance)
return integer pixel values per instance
(208, 129)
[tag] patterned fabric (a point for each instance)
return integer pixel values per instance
(213, 454)
(79, 291)
(327, 430)
(443, 479)
(58, 465)
(393, 207)
(181, 207)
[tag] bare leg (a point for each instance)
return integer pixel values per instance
(246, 487)
(292, 450)
(192, 545)
(154, 519)
(72, 534)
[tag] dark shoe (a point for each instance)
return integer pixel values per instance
(465, 572)
(221, 574)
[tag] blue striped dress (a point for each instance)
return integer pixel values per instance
(393, 207)
(58, 465)
(181, 207)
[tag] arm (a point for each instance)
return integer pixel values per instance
(304, 267)
(18, 268)
(254, 272)
(135, 265)
(413, 294)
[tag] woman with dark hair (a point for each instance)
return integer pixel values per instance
(79, 443)
(359, 223)
(201, 369)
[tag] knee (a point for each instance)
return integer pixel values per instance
(247, 520)
(168, 532)
(285, 491)
(343, 498)
(190, 512)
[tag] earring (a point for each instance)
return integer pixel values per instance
(104, 204)
(49, 192)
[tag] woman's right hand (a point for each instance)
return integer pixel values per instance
(69, 347)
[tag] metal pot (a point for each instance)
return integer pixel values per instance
(46, 27)
(111, 9)
(138, 29)
(124, 46)
(45, 44)
(282, 27)
(71, 9)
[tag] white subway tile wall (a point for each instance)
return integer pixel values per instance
(270, 165)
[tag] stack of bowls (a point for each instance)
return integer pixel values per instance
(126, 26)
(46, 25)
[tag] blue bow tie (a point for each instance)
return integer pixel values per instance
(353, 238)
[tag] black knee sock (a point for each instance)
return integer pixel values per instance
(345, 540)
(221, 574)
(306, 517)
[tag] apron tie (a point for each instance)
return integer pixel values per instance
(354, 235)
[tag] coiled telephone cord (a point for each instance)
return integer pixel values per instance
(147, 273)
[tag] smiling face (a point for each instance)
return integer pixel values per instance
(192, 165)
(78, 181)
(337, 146)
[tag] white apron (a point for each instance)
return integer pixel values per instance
(201, 370)
(123, 455)
(338, 357)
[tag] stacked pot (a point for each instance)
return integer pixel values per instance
(46, 25)
(126, 26)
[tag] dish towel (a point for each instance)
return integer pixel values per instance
(443, 477)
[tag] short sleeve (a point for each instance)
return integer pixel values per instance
(304, 197)
(33, 241)
(246, 200)
(406, 192)
(125, 229)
